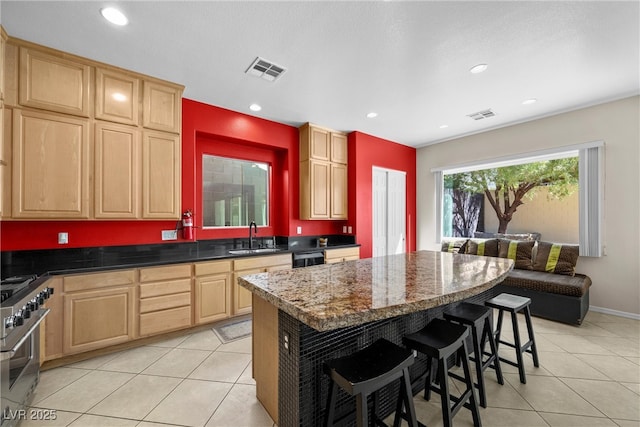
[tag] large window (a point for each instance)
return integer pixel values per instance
(465, 192)
(234, 192)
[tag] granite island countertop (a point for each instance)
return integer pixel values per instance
(332, 296)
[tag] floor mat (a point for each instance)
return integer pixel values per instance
(233, 330)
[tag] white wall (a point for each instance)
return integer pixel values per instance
(616, 276)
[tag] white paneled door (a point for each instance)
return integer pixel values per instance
(389, 211)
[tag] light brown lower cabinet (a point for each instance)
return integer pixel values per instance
(212, 299)
(332, 256)
(99, 310)
(253, 265)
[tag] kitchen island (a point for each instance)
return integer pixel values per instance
(305, 316)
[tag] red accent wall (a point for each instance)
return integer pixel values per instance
(205, 128)
(366, 151)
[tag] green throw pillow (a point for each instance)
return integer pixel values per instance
(454, 245)
(556, 258)
(517, 250)
(486, 247)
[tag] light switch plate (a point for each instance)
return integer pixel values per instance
(169, 234)
(350, 229)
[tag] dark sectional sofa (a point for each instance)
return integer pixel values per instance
(562, 295)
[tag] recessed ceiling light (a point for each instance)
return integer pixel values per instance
(114, 16)
(255, 107)
(372, 115)
(444, 126)
(478, 68)
(529, 101)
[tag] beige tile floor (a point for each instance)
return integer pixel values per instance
(588, 376)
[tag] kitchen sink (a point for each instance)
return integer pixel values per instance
(252, 251)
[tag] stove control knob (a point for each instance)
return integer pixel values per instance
(35, 304)
(27, 311)
(8, 322)
(40, 298)
(18, 319)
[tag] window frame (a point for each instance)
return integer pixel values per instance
(591, 187)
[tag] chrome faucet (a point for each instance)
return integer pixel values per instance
(255, 231)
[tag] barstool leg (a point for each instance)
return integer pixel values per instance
(331, 405)
(478, 362)
(534, 349)
(443, 377)
(362, 411)
(475, 411)
(495, 359)
(518, 347)
(427, 380)
(498, 329)
(404, 399)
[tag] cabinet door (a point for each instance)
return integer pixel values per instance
(117, 171)
(50, 166)
(213, 298)
(318, 191)
(160, 175)
(162, 106)
(319, 143)
(117, 97)
(339, 200)
(99, 318)
(53, 83)
(241, 296)
(339, 148)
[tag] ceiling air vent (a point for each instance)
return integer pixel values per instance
(482, 114)
(265, 69)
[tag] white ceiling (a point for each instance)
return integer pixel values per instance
(407, 61)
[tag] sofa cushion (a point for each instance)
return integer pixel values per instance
(454, 245)
(486, 247)
(556, 258)
(576, 285)
(517, 250)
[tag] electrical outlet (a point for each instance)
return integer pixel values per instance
(63, 238)
(299, 230)
(344, 229)
(286, 342)
(350, 229)
(169, 234)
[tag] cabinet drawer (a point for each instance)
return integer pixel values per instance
(342, 253)
(215, 267)
(261, 262)
(83, 282)
(164, 302)
(154, 274)
(165, 288)
(165, 320)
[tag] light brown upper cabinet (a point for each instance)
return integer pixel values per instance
(117, 171)
(117, 96)
(323, 173)
(53, 83)
(86, 140)
(50, 165)
(160, 175)
(162, 106)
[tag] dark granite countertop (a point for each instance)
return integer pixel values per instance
(87, 260)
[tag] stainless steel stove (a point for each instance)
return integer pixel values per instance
(21, 311)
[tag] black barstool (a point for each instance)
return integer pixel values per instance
(365, 372)
(514, 304)
(440, 340)
(477, 316)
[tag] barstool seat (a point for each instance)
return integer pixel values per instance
(365, 372)
(478, 316)
(440, 340)
(514, 304)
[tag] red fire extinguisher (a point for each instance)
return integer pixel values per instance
(187, 225)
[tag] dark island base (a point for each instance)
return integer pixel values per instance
(303, 387)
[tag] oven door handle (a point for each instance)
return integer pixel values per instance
(10, 353)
